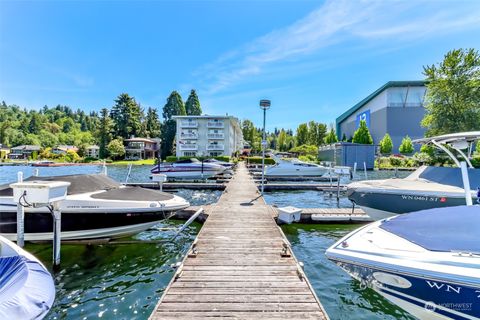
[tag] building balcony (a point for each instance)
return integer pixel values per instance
(215, 136)
(189, 124)
(215, 124)
(215, 147)
(188, 135)
(188, 146)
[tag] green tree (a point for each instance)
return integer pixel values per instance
(116, 148)
(407, 146)
(362, 134)
(386, 144)
(152, 124)
(331, 137)
(192, 106)
(174, 106)
(126, 115)
(104, 133)
(282, 140)
(302, 134)
(34, 125)
(452, 101)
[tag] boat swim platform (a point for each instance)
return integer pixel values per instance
(240, 265)
(333, 216)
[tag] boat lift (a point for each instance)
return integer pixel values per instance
(35, 194)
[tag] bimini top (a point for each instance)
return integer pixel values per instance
(470, 136)
(445, 229)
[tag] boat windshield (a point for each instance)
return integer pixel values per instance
(444, 229)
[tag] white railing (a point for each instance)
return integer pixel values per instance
(215, 147)
(215, 135)
(190, 146)
(188, 135)
(189, 124)
(215, 124)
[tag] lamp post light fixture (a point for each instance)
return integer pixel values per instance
(264, 105)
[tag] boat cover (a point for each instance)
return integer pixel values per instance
(79, 183)
(133, 194)
(26, 288)
(442, 229)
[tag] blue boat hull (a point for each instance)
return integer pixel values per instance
(425, 298)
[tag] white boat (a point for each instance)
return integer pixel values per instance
(426, 262)
(190, 169)
(294, 168)
(96, 206)
(27, 290)
(427, 187)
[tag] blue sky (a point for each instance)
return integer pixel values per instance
(313, 59)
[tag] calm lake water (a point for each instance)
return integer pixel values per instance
(125, 281)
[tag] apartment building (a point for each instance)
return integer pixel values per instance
(208, 135)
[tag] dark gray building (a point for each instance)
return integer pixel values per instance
(395, 108)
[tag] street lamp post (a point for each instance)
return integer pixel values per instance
(264, 105)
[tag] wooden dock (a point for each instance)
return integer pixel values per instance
(240, 266)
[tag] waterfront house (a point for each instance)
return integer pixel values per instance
(141, 148)
(92, 151)
(62, 149)
(4, 151)
(208, 135)
(23, 151)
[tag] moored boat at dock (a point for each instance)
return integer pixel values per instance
(426, 262)
(96, 207)
(27, 288)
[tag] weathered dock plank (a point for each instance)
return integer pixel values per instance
(240, 266)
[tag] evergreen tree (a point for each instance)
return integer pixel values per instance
(407, 146)
(452, 101)
(331, 137)
(104, 133)
(192, 106)
(34, 126)
(126, 115)
(302, 134)
(282, 140)
(362, 134)
(173, 107)
(386, 144)
(321, 133)
(152, 124)
(344, 137)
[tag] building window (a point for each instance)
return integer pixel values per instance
(215, 154)
(189, 154)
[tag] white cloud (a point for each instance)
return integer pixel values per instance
(338, 21)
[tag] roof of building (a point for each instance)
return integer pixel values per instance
(140, 140)
(390, 84)
(64, 147)
(205, 116)
(27, 147)
(93, 146)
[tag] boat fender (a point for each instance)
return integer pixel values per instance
(478, 195)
